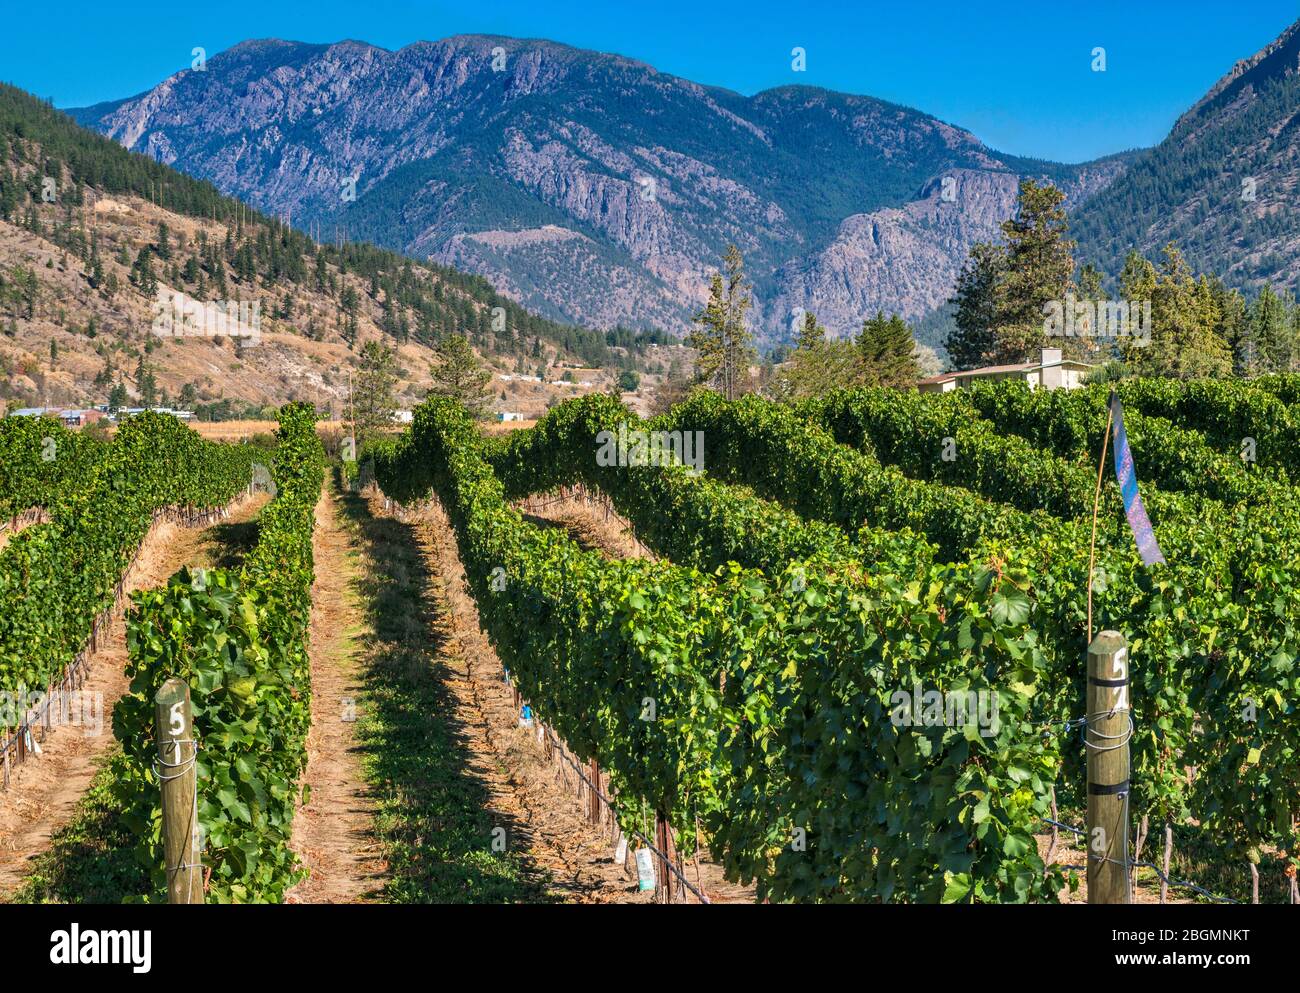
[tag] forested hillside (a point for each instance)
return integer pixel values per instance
(91, 234)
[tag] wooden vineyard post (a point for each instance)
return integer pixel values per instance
(664, 879)
(180, 818)
(1106, 736)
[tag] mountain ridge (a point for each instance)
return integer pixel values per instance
(1222, 185)
(443, 148)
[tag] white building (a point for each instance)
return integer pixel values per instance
(1051, 372)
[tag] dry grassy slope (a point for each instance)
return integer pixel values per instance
(285, 365)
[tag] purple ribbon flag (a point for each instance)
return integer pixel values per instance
(1126, 475)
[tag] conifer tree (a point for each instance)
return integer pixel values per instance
(373, 390)
(1039, 266)
(723, 344)
(970, 344)
(887, 350)
(460, 375)
(1271, 333)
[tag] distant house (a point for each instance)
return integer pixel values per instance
(1051, 372)
(180, 415)
(509, 415)
(80, 418)
(403, 416)
(70, 418)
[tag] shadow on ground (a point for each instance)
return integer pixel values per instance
(432, 804)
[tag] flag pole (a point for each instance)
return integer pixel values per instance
(1096, 502)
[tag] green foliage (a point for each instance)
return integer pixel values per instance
(723, 344)
(970, 343)
(756, 443)
(686, 517)
(1071, 424)
(774, 691)
(40, 456)
(939, 438)
(1227, 413)
(240, 641)
(754, 678)
(1037, 266)
(888, 352)
(1188, 334)
(816, 365)
(1199, 614)
(374, 394)
(56, 579)
(460, 375)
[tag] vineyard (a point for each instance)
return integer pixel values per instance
(737, 685)
(832, 555)
(238, 638)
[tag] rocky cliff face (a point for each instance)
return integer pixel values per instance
(910, 255)
(591, 187)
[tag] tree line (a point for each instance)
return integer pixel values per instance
(1011, 298)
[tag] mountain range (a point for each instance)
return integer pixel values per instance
(594, 189)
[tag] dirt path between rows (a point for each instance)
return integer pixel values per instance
(588, 522)
(523, 786)
(333, 832)
(44, 791)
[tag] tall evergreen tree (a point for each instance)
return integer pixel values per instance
(817, 364)
(1039, 268)
(1087, 345)
(374, 390)
(888, 352)
(811, 332)
(1186, 331)
(1271, 333)
(1233, 326)
(723, 344)
(460, 375)
(971, 342)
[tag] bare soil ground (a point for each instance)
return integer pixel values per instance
(241, 430)
(45, 790)
(589, 523)
(567, 858)
(333, 831)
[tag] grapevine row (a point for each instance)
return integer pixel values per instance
(754, 680)
(38, 456)
(55, 580)
(673, 509)
(1208, 633)
(1071, 424)
(239, 638)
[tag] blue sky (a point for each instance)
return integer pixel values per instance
(1017, 74)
